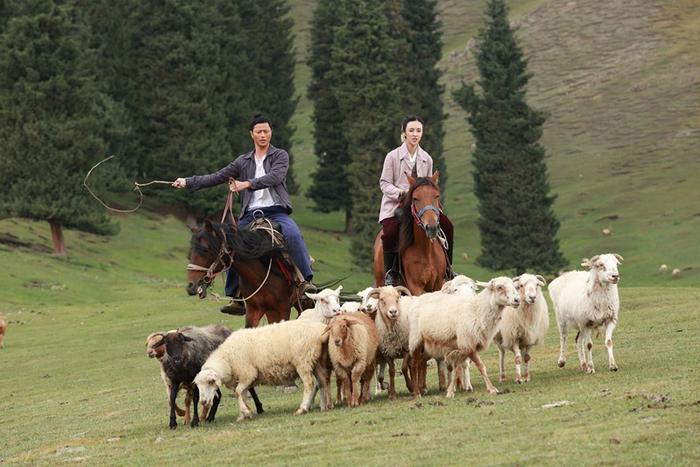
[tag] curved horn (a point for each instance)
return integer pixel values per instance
(541, 280)
(482, 284)
(619, 258)
(403, 289)
(374, 293)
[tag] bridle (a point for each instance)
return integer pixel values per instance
(418, 215)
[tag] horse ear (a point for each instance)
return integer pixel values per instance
(411, 180)
(208, 226)
(435, 177)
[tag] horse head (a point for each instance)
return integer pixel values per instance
(422, 202)
(208, 256)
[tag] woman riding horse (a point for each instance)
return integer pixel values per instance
(399, 164)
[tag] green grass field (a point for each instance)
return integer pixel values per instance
(77, 384)
(620, 81)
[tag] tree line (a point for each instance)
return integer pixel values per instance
(169, 87)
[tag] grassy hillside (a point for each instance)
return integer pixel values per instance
(620, 81)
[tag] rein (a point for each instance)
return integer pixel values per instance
(419, 214)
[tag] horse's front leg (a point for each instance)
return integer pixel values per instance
(253, 317)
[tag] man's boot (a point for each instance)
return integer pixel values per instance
(391, 277)
(235, 307)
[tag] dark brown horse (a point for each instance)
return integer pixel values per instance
(266, 279)
(423, 260)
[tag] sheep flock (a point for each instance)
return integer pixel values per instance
(358, 339)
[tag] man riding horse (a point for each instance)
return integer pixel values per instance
(399, 164)
(259, 176)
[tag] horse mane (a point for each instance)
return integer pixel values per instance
(405, 213)
(245, 244)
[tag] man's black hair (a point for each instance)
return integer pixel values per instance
(259, 118)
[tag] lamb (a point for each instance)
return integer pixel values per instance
(392, 328)
(273, 354)
(158, 352)
(326, 305)
(524, 327)
(587, 301)
(456, 328)
(3, 330)
(460, 284)
(185, 352)
(352, 347)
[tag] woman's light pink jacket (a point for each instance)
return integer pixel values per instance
(394, 179)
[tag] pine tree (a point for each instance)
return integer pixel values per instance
(52, 120)
(422, 91)
(518, 227)
(365, 54)
(330, 186)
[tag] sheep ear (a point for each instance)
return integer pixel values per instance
(541, 280)
(516, 281)
(482, 284)
(312, 296)
(187, 338)
(403, 290)
(586, 263)
(619, 258)
(340, 287)
(212, 381)
(159, 343)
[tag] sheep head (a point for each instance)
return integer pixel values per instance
(208, 383)
(152, 350)
(388, 300)
(460, 285)
(174, 342)
(503, 291)
(527, 286)
(328, 301)
(604, 267)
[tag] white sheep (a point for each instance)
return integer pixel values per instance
(352, 347)
(275, 354)
(392, 326)
(587, 301)
(326, 305)
(523, 327)
(456, 328)
(366, 305)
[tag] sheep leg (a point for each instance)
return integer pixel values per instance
(355, 376)
(214, 407)
(518, 362)
(562, 345)
(173, 396)
(501, 364)
(307, 399)
(587, 345)
(609, 328)
(579, 350)
(392, 376)
(340, 394)
(367, 380)
(449, 359)
(467, 377)
(195, 406)
(482, 369)
(380, 376)
(406, 372)
(188, 403)
(442, 380)
(256, 400)
(244, 410)
(526, 364)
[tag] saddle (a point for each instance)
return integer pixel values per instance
(274, 229)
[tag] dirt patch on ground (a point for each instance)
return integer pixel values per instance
(14, 242)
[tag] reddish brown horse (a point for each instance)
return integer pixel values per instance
(265, 275)
(423, 260)
(422, 256)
